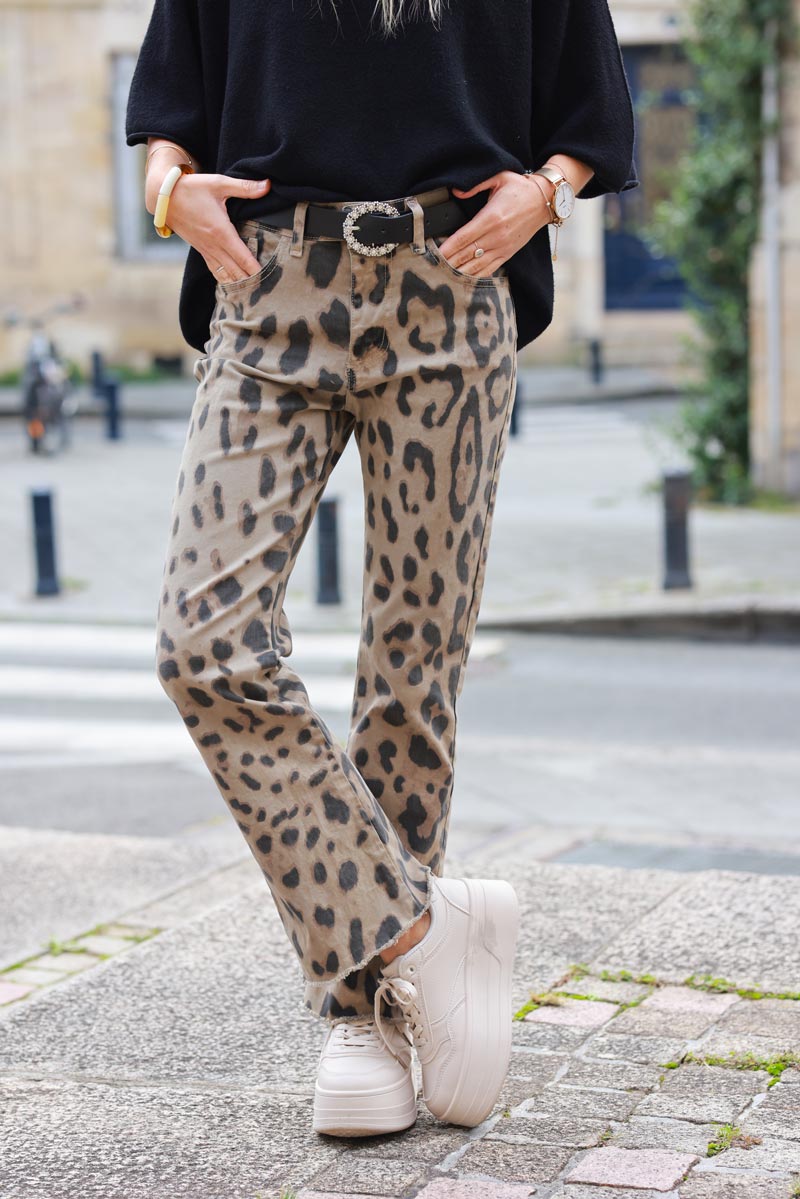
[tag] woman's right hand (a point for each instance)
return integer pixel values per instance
(197, 213)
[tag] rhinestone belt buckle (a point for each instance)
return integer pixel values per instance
(349, 226)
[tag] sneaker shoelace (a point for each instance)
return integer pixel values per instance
(360, 1033)
(403, 994)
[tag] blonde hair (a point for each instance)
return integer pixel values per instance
(392, 13)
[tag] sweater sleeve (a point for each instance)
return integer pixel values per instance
(166, 97)
(582, 103)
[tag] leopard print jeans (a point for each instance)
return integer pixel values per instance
(418, 359)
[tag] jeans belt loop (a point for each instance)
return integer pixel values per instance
(298, 228)
(418, 242)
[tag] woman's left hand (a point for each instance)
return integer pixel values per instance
(515, 210)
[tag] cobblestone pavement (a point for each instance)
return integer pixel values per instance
(163, 1055)
(619, 1087)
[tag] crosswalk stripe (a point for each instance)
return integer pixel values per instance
(39, 682)
(43, 743)
(33, 640)
(66, 664)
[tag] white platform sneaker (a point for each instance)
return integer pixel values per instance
(454, 990)
(365, 1084)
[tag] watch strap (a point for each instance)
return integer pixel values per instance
(552, 173)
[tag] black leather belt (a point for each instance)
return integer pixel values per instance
(378, 228)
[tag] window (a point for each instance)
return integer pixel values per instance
(660, 77)
(136, 237)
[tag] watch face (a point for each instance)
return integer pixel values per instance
(564, 199)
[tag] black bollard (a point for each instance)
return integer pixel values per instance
(677, 494)
(596, 359)
(513, 423)
(44, 542)
(111, 391)
(98, 375)
(328, 553)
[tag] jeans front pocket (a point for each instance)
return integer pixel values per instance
(498, 277)
(267, 244)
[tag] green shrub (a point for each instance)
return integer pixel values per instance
(710, 222)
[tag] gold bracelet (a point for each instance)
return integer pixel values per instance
(168, 146)
(162, 203)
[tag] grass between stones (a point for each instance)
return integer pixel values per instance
(704, 982)
(575, 974)
(135, 934)
(730, 1137)
(57, 947)
(774, 1066)
(721, 986)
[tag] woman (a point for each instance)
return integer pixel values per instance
(367, 254)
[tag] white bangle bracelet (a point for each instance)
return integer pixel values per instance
(165, 191)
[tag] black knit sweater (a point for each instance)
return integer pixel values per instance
(331, 110)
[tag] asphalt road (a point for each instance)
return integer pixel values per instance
(594, 743)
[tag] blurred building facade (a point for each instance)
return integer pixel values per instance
(775, 304)
(74, 217)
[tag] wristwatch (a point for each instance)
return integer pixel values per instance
(562, 201)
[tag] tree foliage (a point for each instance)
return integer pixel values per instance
(710, 223)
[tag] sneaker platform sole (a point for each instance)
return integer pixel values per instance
(368, 1114)
(490, 963)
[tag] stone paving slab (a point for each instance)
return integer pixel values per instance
(567, 1101)
(724, 1044)
(515, 1162)
(602, 988)
(451, 1188)
(385, 1175)
(681, 1136)
(548, 1038)
(771, 1154)
(774, 1122)
(783, 1018)
(704, 1093)
(737, 926)
(428, 1140)
(573, 1191)
(645, 1050)
(611, 1075)
(55, 885)
(574, 1013)
(12, 990)
(684, 999)
(31, 975)
(641, 1168)
(644, 1022)
(101, 1141)
(306, 1194)
(537, 1128)
(785, 1095)
(718, 1185)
